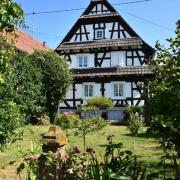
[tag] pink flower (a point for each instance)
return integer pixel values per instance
(76, 149)
(66, 113)
(32, 158)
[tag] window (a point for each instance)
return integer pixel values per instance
(83, 62)
(88, 90)
(118, 90)
(99, 34)
(118, 58)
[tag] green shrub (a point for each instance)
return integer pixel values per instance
(10, 121)
(136, 109)
(100, 102)
(67, 120)
(135, 123)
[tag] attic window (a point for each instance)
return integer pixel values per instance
(99, 34)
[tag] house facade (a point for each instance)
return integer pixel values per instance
(108, 58)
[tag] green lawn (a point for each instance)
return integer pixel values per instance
(147, 148)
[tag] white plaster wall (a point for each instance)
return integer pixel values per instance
(108, 91)
(106, 63)
(128, 89)
(73, 61)
(90, 29)
(137, 62)
(136, 94)
(97, 88)
(108, 28)
(79, 91)
(69, 94)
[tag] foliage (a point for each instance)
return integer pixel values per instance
(10, 122)
(100, 103)
(90, 122)
(11, 15)
(136, 109)
(29, 162)
(56, 79)
(43, 120)
(24, 85)
(164, 98)
(117, 164)
(135, 123)
(35, 84)
(67, 120)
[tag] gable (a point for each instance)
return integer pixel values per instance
(100, 16)
(99, 7)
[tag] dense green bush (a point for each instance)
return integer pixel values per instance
(67, 120)
(100, 103)
(11, 16)
(135, 124)
(10, 121)
(136, 109)
(56, 78)
(24, 86)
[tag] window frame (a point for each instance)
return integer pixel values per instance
(83, 92)
(96, 34)
(84, 57)
(113, 89)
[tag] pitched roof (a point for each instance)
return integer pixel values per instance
(26, 43)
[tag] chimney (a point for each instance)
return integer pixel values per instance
(44, 43)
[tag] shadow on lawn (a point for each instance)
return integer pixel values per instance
(142, 135)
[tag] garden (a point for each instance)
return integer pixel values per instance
(31, 86)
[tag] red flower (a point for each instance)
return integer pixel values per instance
(76, 149)
(90, 150)
(101, 164)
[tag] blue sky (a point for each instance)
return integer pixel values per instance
(51, 28)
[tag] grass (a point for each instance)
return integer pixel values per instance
(147, 148)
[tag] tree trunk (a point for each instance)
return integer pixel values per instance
(134, 143)
(84, 141)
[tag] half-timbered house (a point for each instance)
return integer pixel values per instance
(107, 57)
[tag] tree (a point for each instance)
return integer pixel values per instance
(11, 15)
(24, 86)
(56, 78)
(90, 122)
(164, 98)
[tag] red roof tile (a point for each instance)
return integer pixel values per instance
(27, 44)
